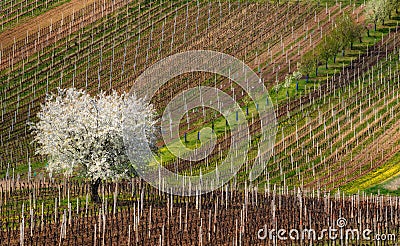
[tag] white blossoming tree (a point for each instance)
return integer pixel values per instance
(83, 135)
(378, 10)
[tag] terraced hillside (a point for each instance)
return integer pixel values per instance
(337, 139)
(13, 11)
(106, 46)
(326, 137)
(111, 52)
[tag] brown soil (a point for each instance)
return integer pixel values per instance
(32, 25)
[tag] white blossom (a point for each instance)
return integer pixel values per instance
(84, 134)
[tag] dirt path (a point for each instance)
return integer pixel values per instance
(32, 25)
(393, 184)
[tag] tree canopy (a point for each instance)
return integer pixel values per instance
(83, 134)
(345, 32)
(379, 10)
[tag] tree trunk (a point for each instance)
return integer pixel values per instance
(368, 32)
(334, 59)
(307, 77)
(94, 186)
(375, 26)
(326, 64)
(351, 45)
